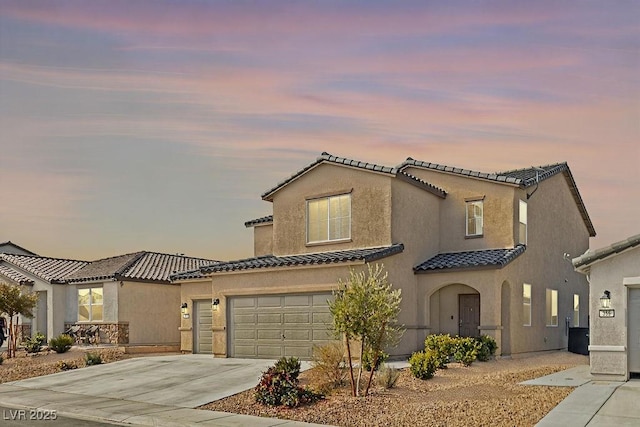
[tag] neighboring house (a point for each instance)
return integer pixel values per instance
(46, 277)
(614, 336)
(128, 299)
(474, 253)
(9, 247)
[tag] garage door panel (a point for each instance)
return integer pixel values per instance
(296, 301)
(322, 318)
(244, 334)
(272, 318)
(296, 318)
(322, 335)
(320, 300)
(244, 302)
(269, 301)
(300, 352)
(269, 334)
(245, 319)
(269, 351)
(297, 334)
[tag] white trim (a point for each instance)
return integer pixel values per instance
(630, 281)
(612, 348)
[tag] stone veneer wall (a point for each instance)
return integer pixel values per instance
(108, 333)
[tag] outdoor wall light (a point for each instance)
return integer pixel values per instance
(215, 303)
(184, 308)
(605, 300)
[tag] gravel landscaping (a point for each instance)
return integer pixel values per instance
(484, 394)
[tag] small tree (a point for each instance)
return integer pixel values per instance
(14, 302)
(365, 308)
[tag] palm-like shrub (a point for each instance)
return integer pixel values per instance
(61, 344)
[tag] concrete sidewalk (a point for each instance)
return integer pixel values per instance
(592, 403)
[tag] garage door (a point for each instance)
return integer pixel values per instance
(202, 334)
(269, 327)
(634, 330)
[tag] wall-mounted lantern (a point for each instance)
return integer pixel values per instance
(184, 308)
(215, 303)
(605, 306)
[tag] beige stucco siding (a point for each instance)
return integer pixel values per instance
(370, 209)
(152, 310)
(263, 240)
(191, 291)
(497, 206)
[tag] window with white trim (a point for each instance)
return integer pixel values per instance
(474, 218)
(576, 310)
(522, 215)
(552, 307)
(329, 218)
(526, 304)
(90, 304)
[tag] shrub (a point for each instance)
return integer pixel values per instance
(290, 365)
(466, 350)
(369, 356)
(91, 359)
(329, 367)
(61, 344)
(67, 365)
(387, 376)
(279, 386)
(423, 364)
(443, 347)
(34, 344)
(488, 347)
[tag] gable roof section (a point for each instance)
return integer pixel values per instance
(342, 161)
(259, 221)
(14, 275)
(10, 243)
(138, 266)
(523, 178)
(454, 261)
(584, 261)
(319, 258)
(52, 270)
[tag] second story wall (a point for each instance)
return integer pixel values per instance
(370, 194)
(263, 240)
(497, 206)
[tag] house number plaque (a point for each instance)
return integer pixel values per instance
(607, 312)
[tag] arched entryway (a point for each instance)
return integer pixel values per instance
(455, 310)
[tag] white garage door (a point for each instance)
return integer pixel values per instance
(202, 334)
(269, 327)
(634, 330)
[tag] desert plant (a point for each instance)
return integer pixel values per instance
(329, 370)
(14, 302)
(466, 350)
(279, 386)
(64, 365)
(91, 359)
(423, 364)
(34, 344)
(370, 355)
(488, 347)
(387, 376)
(61, 344)
(443, 347)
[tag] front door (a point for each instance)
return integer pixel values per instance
(469, 306)
(202, 332)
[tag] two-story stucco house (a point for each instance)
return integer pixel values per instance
(474, 253)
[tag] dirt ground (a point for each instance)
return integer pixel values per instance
(484, 394)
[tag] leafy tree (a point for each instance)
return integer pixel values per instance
(13, 302)
(365, 309)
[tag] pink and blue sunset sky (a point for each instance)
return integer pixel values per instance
(156, 125)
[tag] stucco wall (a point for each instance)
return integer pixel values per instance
(263, 240)
(189, 292)
(608, 274)
(370, 209)
(152, 310)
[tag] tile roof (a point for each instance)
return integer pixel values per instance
(585, 260)
(138, 266)
(270, 261)
(487, 258)
(524, 178)
(53, 270)
(259, 221)
(14, 275)
(10, 243)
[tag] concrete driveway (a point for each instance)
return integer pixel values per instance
(185, 381)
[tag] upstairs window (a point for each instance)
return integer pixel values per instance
(329, 219)
(474, 218)
(90, 305)
(522, 231)
(552, 307)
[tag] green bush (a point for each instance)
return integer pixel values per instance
(279, 386)
(443, 346)
(34, 344)
(387, 376)
(423, 364)
(369, 356)
(466, 350)
(289, 365)
(91, 359)
(488, 347)
(329, 368)
(61, 344)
